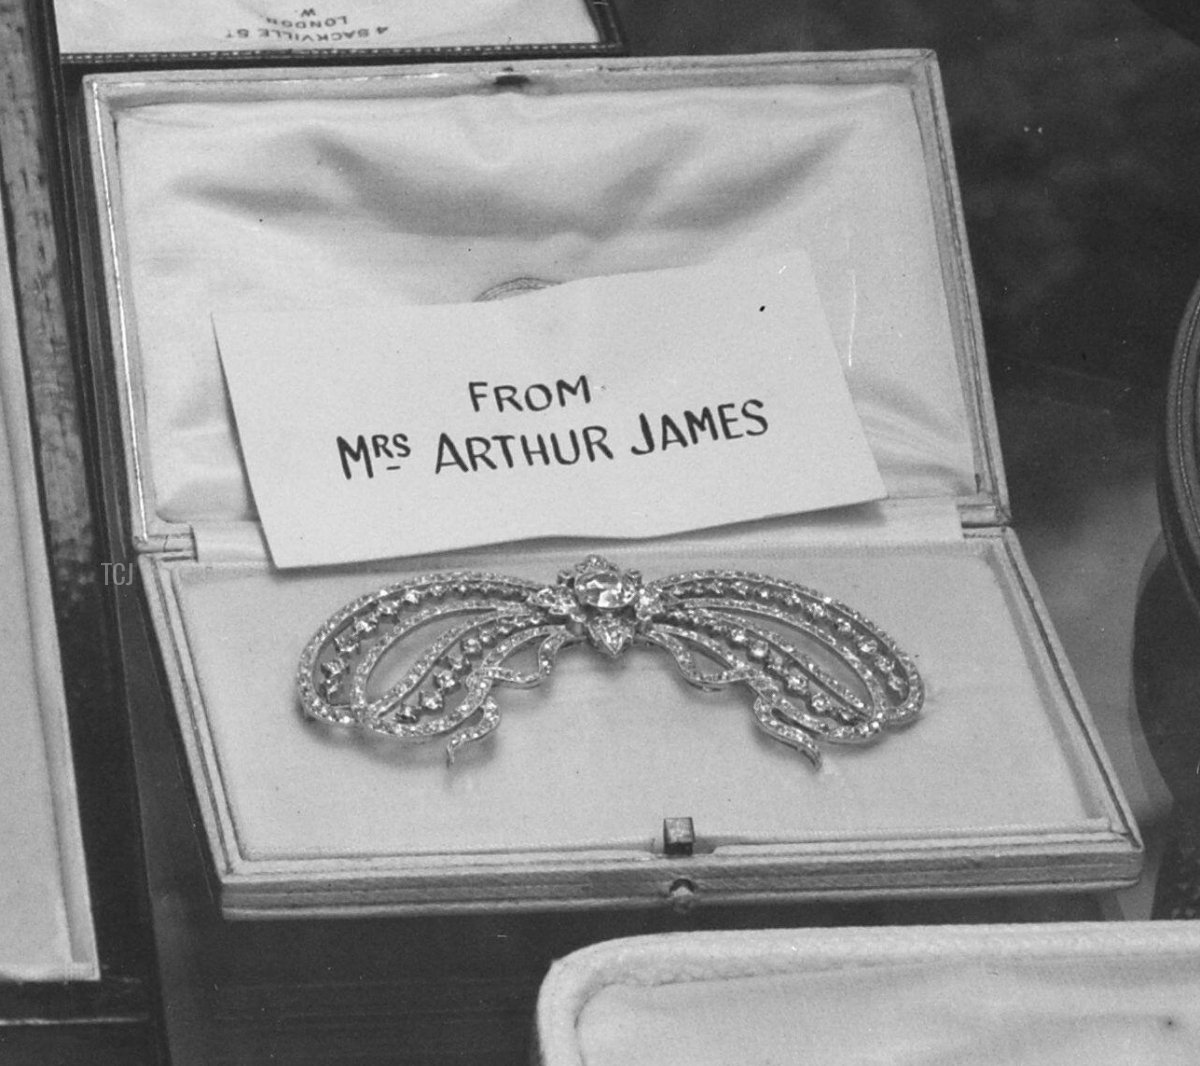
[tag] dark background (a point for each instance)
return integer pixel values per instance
(1076, 128)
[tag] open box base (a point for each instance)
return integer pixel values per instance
(995, 788)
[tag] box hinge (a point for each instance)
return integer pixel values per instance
(173, 543)
(983, 511)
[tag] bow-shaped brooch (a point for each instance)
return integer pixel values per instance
(818, 670)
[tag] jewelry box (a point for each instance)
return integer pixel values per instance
(99, 33)
(1030, 994)
(211, 186)
(46, 931)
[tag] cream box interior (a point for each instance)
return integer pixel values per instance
(1021, 995)
(430, 185)
(98, 31)
(46, 931)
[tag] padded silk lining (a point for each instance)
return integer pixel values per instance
(360, 202)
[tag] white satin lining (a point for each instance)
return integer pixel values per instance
(366, 202)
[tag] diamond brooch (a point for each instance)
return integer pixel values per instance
(817, 669)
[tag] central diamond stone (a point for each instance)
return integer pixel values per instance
(608, 589)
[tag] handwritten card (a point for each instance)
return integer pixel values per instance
(631, 405)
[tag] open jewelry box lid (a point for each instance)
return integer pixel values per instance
(1029, 995)
(125, 32)
(46, 929)
(428, 185)
(433, 185)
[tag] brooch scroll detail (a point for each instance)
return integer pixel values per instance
(817, 669)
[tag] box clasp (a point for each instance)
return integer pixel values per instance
(679, 836)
